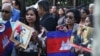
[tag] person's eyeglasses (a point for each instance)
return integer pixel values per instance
(5, 11)
(70, 17)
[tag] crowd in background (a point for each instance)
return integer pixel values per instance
(44, 19)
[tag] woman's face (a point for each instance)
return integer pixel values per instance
(87, 21)
(83, 14)
(30, 16)
(60, 12)
(69, 18)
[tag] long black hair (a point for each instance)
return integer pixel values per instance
(37, 22)
(91, 18)
(85, 10)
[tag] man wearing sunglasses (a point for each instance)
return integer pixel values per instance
(15, 12)
(6, 12)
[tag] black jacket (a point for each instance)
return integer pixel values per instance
(49, 22)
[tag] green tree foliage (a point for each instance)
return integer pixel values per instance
(30, 2)
(65, 3)
(0, 2)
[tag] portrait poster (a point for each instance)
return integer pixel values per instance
(83, 38)
(21, 34)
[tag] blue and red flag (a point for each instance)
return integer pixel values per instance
(58, 43)
(5, 43)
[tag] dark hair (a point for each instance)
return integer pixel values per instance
(91, 20)
(0, 7)
(17, 2)
(37, 22)
(63, 10)
(44, 5)
(76, 13)
(85, 10)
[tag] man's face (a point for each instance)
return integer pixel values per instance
(53, 9)
(40, 10)
(15, 5)
(6, 13)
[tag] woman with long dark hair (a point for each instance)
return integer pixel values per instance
(34, 46)
(72, 20)
(84, 13)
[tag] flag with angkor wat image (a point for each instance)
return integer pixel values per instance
(58, 43)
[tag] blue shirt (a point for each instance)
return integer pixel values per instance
(15, 15)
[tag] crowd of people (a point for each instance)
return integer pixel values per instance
(44, 19)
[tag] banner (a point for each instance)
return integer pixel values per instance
(58, 43)
(5, 33)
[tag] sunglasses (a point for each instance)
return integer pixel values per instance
(70, 17)
(5, 11)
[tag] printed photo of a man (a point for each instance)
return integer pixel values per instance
(19, 34)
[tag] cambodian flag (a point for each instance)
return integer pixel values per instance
(5, 43)
(58, 43)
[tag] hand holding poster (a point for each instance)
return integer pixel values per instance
(21, 34)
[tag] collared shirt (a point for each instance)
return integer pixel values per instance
(15, 15)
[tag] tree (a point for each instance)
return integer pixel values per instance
(65, 3)
(0, 2)
(30, 2)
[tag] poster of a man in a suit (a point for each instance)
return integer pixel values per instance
(19, 34)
